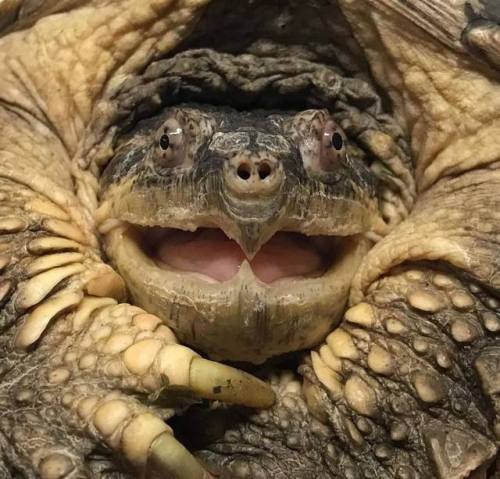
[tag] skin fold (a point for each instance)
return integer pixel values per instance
(406, 386)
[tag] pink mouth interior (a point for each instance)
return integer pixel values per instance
(211, 253)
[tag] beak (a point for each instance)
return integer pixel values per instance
(250, 235)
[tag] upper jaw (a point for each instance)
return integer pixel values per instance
(250, 222)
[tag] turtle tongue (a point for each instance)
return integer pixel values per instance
(211, 253)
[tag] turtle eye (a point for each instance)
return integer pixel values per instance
(170, 144)
(337, 141)
(333, 146)
(322, 143)
(164, 142)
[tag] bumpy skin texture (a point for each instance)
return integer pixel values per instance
(396, 384)
(406, 387)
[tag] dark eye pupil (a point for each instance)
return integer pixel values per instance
(164, 142)
(337, 141)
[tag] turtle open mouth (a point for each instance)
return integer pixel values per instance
(210, 254)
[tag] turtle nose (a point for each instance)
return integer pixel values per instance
(254, 175)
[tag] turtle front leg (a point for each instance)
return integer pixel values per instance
(109, 375)
(409, 383)
(406, 388)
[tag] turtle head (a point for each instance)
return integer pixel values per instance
(242, 230)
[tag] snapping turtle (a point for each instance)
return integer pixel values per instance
(307, 190)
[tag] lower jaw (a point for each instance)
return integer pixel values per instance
(242, 319)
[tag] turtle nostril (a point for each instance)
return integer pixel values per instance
(264, 171)
(247, 174)
(244, 171)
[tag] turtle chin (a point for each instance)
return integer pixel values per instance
(285, 298)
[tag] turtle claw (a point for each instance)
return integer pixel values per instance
(212, 380)
(169, 458)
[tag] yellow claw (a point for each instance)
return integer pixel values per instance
(169, 458)
(213, 380)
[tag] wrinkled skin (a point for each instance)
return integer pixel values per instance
(406, 386)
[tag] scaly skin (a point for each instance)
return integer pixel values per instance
(417, 335)
(396, 388)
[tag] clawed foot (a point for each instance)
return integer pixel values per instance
(110, 375)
